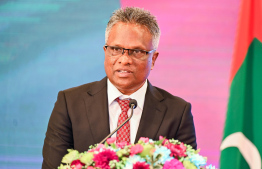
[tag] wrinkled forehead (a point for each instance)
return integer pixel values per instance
(130, 35)
(143, 28)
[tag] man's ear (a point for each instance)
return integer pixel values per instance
(155, 55)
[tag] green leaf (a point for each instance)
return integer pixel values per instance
(87, 158)
(71, 156)
(122, 153)
(147, 150)
(188, 165)
(63, 166)
(160, 141)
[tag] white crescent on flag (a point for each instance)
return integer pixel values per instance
(248, 150)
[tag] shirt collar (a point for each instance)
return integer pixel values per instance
(139, 95)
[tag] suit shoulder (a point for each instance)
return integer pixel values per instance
(80, 88)
(169, 96)
(91, 87)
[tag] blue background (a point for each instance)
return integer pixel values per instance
(45, 47)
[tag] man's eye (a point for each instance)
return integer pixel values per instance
(116, 49)
(137, 51)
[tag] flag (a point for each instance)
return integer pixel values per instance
(241, 147)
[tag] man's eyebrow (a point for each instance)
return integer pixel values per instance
(132, 47)
(116, 45)
(137, 47)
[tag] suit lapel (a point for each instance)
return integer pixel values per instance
(152, 115)
(97, 110)
(98, 117)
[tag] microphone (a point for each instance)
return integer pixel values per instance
(132, 105)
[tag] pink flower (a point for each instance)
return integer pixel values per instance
(111, 140)
(99, 146)
(103, 158)
(173, 164)
(136, 149)
(76, 164)
(122, 144)
(140, 165)
(177, 150)
(90, 167)
(165, 141)
(144, 139)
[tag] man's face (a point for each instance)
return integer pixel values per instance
(128, 74)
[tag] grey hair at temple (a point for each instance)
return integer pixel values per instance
(137, 16)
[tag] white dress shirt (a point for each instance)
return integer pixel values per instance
(115, 110)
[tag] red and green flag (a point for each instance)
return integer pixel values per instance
(241, 147)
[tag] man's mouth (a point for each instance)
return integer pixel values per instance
(124, 71)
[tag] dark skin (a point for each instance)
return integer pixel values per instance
(126, 73)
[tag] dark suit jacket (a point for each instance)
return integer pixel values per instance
(80, 118)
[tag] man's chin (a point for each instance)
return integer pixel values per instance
(125, 88)
(128, 88)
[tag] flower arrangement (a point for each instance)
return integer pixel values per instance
(146, 154)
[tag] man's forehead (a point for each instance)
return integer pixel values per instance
(123, 26)
(133, 35)
(130, 24)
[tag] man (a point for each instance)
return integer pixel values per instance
(84, 115)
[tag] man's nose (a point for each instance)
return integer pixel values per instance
(127, 51)
(125, 58)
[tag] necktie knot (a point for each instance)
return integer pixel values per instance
(124, 104)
